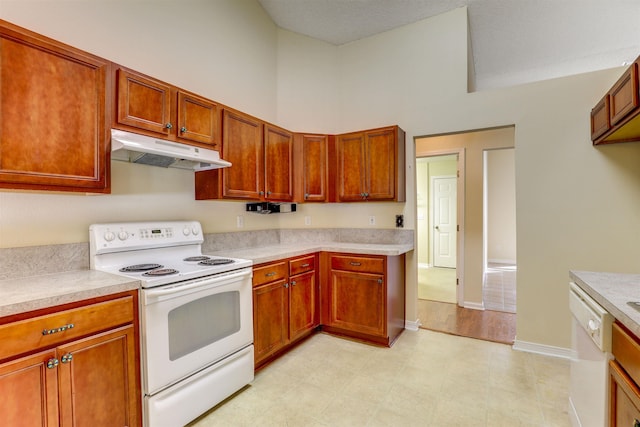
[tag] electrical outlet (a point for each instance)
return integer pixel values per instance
(307, 220)
(399, 221)
(372, 220)
(240, 221)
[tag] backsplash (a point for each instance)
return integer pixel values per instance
(39, 260)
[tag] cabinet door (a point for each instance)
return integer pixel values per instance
(302, 304)
(623, 96)
(270, 318)
(144, 103)
(198, 119)
(625, 398)
(97, 378)
(351, 166)
(278, 160)
(380, 164)
(53, 105)
(242, 146)
(314, 168)
(29, 391)
(358, 302)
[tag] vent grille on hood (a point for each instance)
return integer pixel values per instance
(134, 148)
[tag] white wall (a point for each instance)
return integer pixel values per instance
(577, 206)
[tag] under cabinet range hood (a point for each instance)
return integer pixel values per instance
(134, 148)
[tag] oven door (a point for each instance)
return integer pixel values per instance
(190, 325)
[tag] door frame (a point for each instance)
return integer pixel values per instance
(460, 152)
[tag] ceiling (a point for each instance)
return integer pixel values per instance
(513, 41)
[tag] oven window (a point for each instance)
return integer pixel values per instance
(204, 321)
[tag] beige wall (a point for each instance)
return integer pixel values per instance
(577, 206)
(500, 197)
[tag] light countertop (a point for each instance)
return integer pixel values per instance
(264, 254)
(612, 291)
(20, 295)
(36, 292)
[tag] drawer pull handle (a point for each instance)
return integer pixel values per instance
(305, 265)
(56, 330)
(52, 363)
(355, 263)
(67, 358)
(273, 273)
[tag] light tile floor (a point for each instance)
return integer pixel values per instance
(426, 379)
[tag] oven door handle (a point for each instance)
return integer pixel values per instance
(164, 291)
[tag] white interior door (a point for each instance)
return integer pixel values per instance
(444, 221)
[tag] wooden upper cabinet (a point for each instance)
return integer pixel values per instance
(311, 168)
(198, 119)
(370, 165)
(278, 164)
(54, 126)
(623, 96)
(242, 146)
(151, 107)
(616, 117)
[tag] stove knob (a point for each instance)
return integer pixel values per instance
(186, 231)
(109, 236)
(123, 235)
(195, 230)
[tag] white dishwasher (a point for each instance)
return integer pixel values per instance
(591, 352)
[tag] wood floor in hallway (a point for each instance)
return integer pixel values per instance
(486, 325)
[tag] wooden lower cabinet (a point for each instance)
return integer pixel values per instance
(284, 305)
(92, 380)
(624, 373)
(363, 296)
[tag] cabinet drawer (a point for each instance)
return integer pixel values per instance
(269, 273)
(52, 329)
(626, 351)
(302, 265)
(356, 263)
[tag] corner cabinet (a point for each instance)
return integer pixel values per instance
(151, 107)
(313, 182)
(77, 366)
(54, 106)
(616, 117)
(284, 305)
(363, 297)
(370, 165)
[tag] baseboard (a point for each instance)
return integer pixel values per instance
(424, 265)
(502, 261)
(474, 305)
(546, 350)
(412, 325)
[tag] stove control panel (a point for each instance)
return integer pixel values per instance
(114, 237)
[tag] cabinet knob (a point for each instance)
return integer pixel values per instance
(168, 126)
(306, 196)
(293, 283)
(183, 129)
(52, 363)
(67, 358)
(261, 193)
(379, 281)
(286, 285)
(366, 194)
(268, 193)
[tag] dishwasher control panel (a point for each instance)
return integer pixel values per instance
(591, 316)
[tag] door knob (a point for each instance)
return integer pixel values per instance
(437, 227)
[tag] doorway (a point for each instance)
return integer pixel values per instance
(475, 259)
(437, 204)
